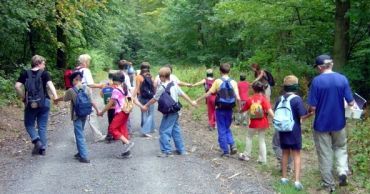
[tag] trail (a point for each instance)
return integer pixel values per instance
(59, 172)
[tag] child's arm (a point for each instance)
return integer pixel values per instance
(107, 107)
(181, 83)
(270, 112)
(203, 81)
(95, 107)
(187, 98)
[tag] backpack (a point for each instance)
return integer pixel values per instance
(166, 104)
(67, 81)
(129, 104)
(35, 95)
(107, 93)
(283, 119)
(225, 96)
(208, 84)
(256, 110)
(270, 78)
(82, 104)
(147, 88)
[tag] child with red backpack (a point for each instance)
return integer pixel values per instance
(243, 87)
(227, 95)
(259, 108)
(210, 100)
(121, 100)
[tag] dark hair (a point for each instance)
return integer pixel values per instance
(110, 75)
(74, 75)
(118, 77)
(258, 86)
(256, 66)
(144, 71)
(123, 64)
(242, 77)
(225, 68)
(145, 65)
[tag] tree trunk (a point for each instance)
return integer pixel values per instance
(30, 40)
(341, 39)
(61, 41)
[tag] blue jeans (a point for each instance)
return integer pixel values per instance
(170, 128)
(225, 136)
(79, 125)
(147, 118)
(41, 116)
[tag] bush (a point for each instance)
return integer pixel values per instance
(7, 91)
(359, 151)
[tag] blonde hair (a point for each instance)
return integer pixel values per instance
(290, 80)
(84, 59)
(37, 60)
(165, 72)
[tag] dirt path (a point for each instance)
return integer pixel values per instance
(202, 171)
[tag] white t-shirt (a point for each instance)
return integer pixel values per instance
(175, 91)
(87, 78)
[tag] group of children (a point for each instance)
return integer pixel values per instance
(221, 95)
(259, 108)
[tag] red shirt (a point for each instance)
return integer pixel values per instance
(243, 87)
(262, 123)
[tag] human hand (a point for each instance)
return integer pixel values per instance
(144, 108)
(194, 103)
(100, 114)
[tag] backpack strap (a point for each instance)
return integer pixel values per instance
(122, 94)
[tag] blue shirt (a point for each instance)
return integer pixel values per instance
(293, 137)
(327, 94)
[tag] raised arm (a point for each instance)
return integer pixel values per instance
(202, 82)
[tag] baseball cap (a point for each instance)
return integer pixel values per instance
(322, 59)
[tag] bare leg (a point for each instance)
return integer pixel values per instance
(297, 164)
(284, 162)
(124, 140)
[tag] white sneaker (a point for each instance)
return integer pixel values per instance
(127, 147)
(243, 157)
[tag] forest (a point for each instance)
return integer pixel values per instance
(283, 36)
(280, 35)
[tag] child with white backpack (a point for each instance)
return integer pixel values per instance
(289, 110)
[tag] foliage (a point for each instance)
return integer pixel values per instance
(359, 151)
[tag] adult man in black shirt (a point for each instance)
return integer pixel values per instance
(38, 113)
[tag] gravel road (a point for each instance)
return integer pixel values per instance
(58, 172)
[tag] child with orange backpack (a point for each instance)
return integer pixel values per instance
(259, 108)
(210, 100)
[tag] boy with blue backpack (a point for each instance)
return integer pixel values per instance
(227, 94)
(106, 93)
(167, 95)
(289, 111)
(81, 107)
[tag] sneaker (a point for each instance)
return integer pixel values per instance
(84, 160)
(164, 155)
(183, 153)
(284, 181)
(210, 128)
(77, 156)
(42, 152)
(298, 186)
(343, 180)
(225, 155)
(147, 135)
(326, 188)
(127, 147)
(243, 157)
(37, 147)
(125, 155)
(233, 150)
